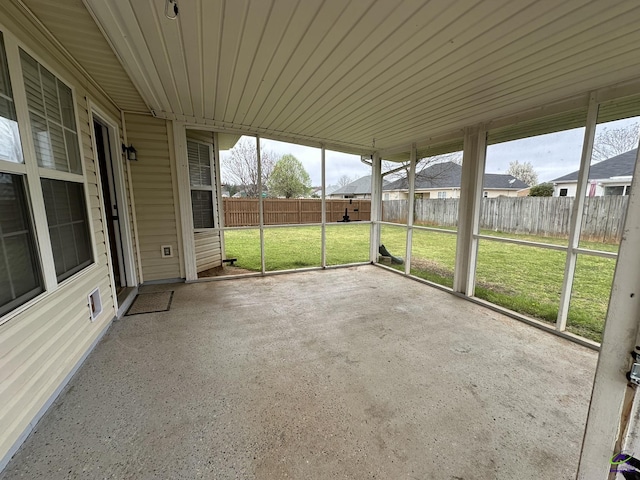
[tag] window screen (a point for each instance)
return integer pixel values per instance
(20, 277)
(51, 112)
(68, 226)
(10, 149)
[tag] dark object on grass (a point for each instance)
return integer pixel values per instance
(345, 217)
(385, 253)
(230, 261)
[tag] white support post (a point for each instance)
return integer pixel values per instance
(216, 165)
(376, 206)
(475, 149)
(575, 225)
(184, 199)
(323, 260)
(612, 397)
(410, 205)
(260, 205)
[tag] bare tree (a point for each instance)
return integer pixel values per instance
(610, 142)
(344, 180)
(421, 164)
(240, 166)
(523, 172)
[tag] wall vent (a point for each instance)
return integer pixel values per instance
(167, 251)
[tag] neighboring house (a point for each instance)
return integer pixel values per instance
(316, 192)
(442, 180)
(360, 188)
(609, 177)
(329, 189)
(248, 191)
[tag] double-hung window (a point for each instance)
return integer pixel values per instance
(201, 181)
(45, 176)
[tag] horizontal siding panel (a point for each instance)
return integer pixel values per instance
(151, 229)
(153, 193)
(15, 332)
(160, 213)
(162, 273)
(208, 250)
(58, 366)
(18, 365)
(161, 239)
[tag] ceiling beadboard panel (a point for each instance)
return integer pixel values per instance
(368, 73)
(72, 25)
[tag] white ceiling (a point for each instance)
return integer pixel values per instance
(353, 72)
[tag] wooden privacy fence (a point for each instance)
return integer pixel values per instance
(603, 217)
(243, 212)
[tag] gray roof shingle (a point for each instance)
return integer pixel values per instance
(618, 166)
(449, 175)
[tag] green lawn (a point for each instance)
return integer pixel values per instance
(522, 278)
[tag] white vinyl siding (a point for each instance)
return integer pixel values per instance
(208, 250)
(154, 199)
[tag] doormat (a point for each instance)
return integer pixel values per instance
(151, 303)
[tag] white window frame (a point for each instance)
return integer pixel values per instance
(33, 174)
(206, 188)
(128, 257)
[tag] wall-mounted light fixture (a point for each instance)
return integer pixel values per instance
(132, 153)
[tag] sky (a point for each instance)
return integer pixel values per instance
(552, 155)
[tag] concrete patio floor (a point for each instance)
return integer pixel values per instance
(346, 373)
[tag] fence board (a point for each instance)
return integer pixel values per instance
(603, 217)
(243, 212)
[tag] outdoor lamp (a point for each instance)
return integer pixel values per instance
(132, 153)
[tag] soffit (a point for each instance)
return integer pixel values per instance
(72, 25)
(367, 74)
